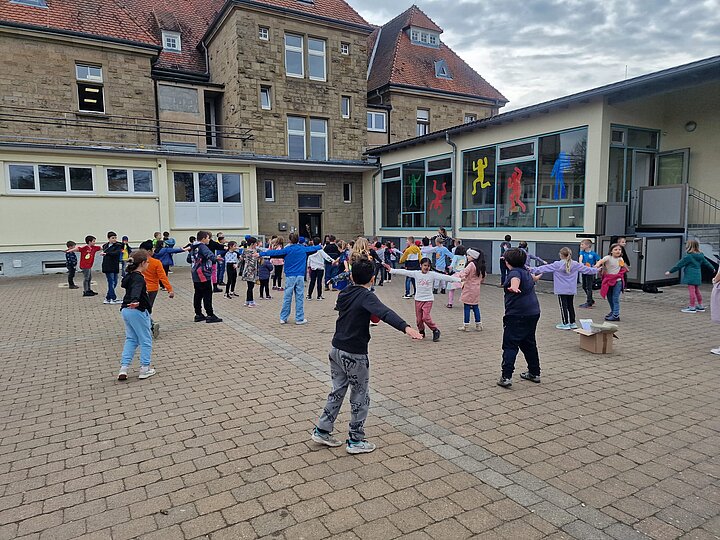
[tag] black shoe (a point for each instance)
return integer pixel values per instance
(434, 291)
(221, 283)
(200, 318)
(73, 287)
(88, 293)
(436, 335)
(216, 290)
(422, 333)
(228, 297)
(93, 293)
(530, 377)
(213, 319)
(442, 291)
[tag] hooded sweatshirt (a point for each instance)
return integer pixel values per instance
(295, 257)
(352, 330)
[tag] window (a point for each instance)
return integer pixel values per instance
(345, 106)
(517, 151)
(50, 178)
(422, 37)
(32, 3)
(212, 105)
(265, 98)
(316, 59)
(138, 181)
(90, 88)
(318, 139)
(296, 137)
(294, 56)
(171, 41)
(442, 71)
(309, 201)
(264, 33)
(423, 122)
(208, 199)
(344, 48)
(270, 190)
(376, 121)
(469, 118)
(347, 192)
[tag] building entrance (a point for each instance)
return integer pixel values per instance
(310, 225)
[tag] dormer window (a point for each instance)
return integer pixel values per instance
(33, 3)
(441, 70)
(424, 37)
(171, 41)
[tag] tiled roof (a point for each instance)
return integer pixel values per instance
(102, 18)
(399, 61)
(418, 18)
(331, 9)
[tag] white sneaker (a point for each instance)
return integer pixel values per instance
(304, 321)
(463, 328)
(325, 438)
(155, 329)
(116, 301)
(106, 301)
(478, 327)
(359, 447)
(122, 376)
(146, 372)
(715, 351)
(283, 321)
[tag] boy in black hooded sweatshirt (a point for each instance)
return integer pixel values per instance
(349, 362)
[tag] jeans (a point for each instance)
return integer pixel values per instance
(203, 296)
(613, 298)
(408, 282)
(467, 308)
(294, 285)
(112, 280)
(587, 285)
(137, 334)
(87, 278)
(220, 271)
(316, 277)
(519, 334)
(123, 264)
(71, 276)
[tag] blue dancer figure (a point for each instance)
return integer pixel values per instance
(562, 164)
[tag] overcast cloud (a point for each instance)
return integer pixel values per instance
(536, 50)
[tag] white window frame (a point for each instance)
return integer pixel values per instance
(131, 182)
(301, 50)
(350, 191)
(422, 121)
(220, 207)
(36, 180)
(469, 117)
(266, 90)
(344, 48)
(371, 115)
(321, 54)
(318, 134)
(96, 81)
(264, 33)
(528, 157)
(296, 133)
(167, 36)
(345, 113)
(271, 183)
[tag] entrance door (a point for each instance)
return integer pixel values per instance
(643, 173)
(671, 168)
(310, 224)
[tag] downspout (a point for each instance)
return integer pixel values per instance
(374, 202)
(457, 186)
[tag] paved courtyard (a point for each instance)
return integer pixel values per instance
(216, 445)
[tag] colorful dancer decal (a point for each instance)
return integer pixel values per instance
(414, 181)
(436, 203)
(479, 168)
(562, 164)
(515, 188)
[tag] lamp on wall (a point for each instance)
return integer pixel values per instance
(690, 126)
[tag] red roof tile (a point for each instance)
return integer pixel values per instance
(101, 18)
(399, 61)
(333, 9)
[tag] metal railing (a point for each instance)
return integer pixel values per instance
(703, 210)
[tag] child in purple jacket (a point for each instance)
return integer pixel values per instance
(565, 277)
(265, 268)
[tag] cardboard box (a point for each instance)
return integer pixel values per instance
(597, 342)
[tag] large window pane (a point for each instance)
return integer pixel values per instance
(296, 146)
(439, 200)
(309, 201)
(51, 177)
(318, 138)
(517, 151)
(639, 138)
(81, 179)
(616, 175)
(294, 55)
(117, 179)
(561, 175)
(414, 187)
(142, 181)
(572, 216)
(479, 175)
(184, 187)
(231, 188)
(316, 59)
(208, 187)
(22, 177)
(516, 195)
(391, 195)
(547, 218)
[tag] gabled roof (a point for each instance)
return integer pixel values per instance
(329, 9)
(399, 61)
(107, 19)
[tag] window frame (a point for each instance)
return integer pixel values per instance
(470, 118)
(316, 134)
(295, 49)
(168, 34)
(271, 184)
(372, 114)
(266, 90)
(345, 48)
(68, 191)
(263, 33)
(130, 172)
(348, 199)
(90, 82)
(424, 122)
(220, 205)
(323, 55)
(343, 101)
(296, 133)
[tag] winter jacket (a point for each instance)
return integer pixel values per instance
(164, 255)
(202, 263)
(691, 265)
(471, 287)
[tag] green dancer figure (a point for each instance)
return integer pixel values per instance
(414, 180)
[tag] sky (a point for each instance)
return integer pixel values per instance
(536, 50)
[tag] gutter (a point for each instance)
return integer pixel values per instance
(456, 190)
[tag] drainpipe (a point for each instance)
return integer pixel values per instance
(456, 187)
(374, 203)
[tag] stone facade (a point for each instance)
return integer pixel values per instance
(243, 63)
(38, 80)
(344, 220)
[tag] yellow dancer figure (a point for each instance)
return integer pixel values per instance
(479, 168)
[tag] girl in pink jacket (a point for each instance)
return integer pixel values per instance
(472, 277)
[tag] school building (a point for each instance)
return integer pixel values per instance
(648, 147)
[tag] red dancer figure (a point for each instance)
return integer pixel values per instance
(439, 194)
(515, 187)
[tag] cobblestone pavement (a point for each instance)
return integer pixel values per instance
(216, 445)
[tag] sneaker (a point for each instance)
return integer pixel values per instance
(478, 327)
(505, 383)
(689, 309)
(93, 293)
(200, 318)
(155, 328)
(308, 298)
(73, 287)
(585, 305)
(442, 291)
(299, 323)
(359, 447)
(321, 298)
(88, 293)
(422, 333)
(373, 323)
(436, 335)
(116, 301)
(324, 438)
(562, 326)
(269, 298)
(715, 351)
(463, 328)
(146, 372)
(106, 301)
(282, 321)
(612, 318)
(700, 308)
(122, 376)
(435, 291)
(407, 296)
(213, 319)
(252, 305)
(530, 377)
(449, 306)
(573, 326)
(216, 290)
(221, 283)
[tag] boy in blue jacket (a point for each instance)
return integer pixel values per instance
(202, 266)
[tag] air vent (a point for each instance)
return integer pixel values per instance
(54, 267)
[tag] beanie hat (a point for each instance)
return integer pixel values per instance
(472, 253)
